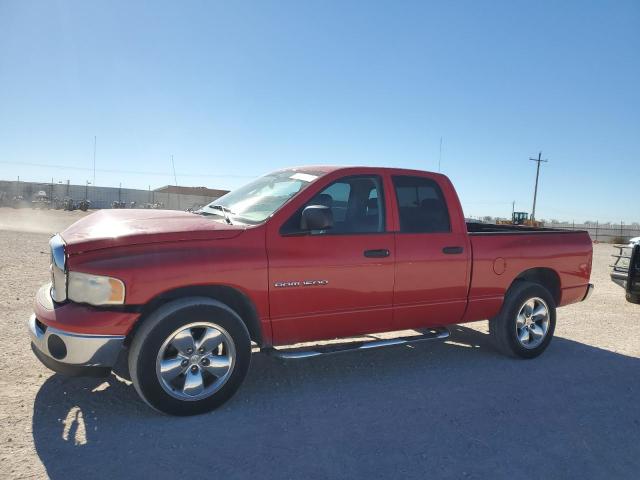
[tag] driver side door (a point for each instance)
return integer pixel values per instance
(337, 282)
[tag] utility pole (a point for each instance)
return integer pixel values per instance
(535, 192)
(513, 208)
(175, 179)
(95, 141)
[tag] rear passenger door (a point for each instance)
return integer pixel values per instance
(431, 256)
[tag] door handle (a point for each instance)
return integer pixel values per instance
(380, 253)
(452, 250)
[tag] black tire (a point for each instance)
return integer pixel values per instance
(159, 326)
(632, 298)
(503, 328)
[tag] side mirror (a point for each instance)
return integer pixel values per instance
(316, 217)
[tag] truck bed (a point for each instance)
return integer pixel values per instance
(476, 228)
(502, 253)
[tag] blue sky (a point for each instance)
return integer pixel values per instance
(236, 89)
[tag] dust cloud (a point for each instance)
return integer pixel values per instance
(37, 221)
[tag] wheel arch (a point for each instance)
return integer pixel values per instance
(230, 296)
(547, 277)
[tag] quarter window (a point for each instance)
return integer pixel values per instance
(421, 205)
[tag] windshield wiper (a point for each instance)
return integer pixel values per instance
(225, 212)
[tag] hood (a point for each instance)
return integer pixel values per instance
(112, 228)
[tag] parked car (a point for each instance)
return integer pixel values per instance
(625, 271)
(298, 255)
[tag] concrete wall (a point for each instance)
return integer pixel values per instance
(103, 197)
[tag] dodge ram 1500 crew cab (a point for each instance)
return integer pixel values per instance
(298, 255)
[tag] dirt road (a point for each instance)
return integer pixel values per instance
(448, 410)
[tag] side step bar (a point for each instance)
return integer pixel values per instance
(296, 354)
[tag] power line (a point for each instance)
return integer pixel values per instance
(535, 191)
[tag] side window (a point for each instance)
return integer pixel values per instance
(356, 203)
(336, 196)
(421, 205)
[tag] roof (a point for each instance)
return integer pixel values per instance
(326, 169)
(202, 191)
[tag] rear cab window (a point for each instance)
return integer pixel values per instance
(421, 205)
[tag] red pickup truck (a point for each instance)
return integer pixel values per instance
(298, 255)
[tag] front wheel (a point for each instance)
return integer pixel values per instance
(525, 325)
(190, 356)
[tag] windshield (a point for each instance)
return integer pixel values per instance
(256, 201)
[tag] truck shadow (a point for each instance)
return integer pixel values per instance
(450, 410)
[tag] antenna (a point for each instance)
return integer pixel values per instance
(440, 156)
(535, 191)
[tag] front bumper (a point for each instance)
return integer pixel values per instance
(66, 352)
(75, 349)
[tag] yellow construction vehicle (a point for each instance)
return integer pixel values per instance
(520, 218)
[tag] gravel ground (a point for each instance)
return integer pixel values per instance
(448, 410)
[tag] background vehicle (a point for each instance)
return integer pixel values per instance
(68, 204)
(19, 201)
(84, 205)
(41, 200)
(626, 269)
(298, 255)
(520, 218)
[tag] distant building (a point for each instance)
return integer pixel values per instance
(202, 191)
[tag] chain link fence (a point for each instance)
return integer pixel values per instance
(602, 232)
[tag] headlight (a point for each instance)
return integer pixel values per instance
(95, 289)
(58, 268)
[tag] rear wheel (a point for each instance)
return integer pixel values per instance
(525, 325)
(190, 356)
